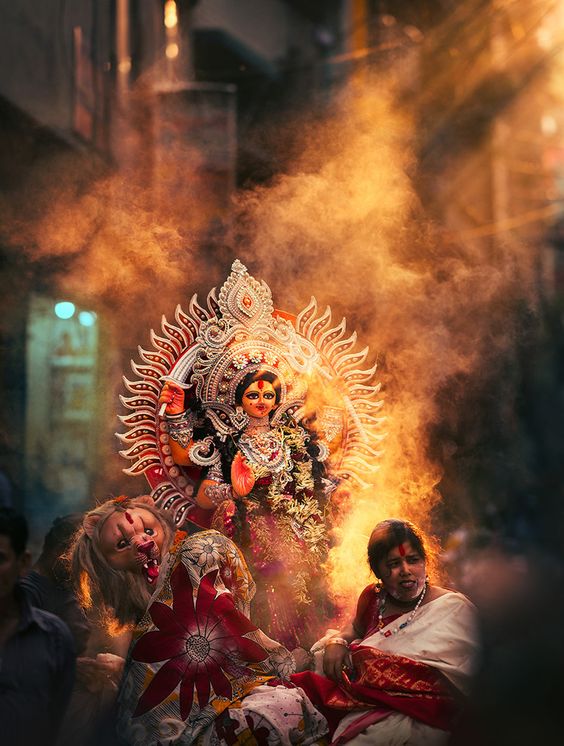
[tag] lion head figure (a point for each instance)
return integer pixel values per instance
(116, 555)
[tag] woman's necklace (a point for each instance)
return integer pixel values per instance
(403, 625)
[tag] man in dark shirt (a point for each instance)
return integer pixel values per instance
(37, 657)
(48, 584)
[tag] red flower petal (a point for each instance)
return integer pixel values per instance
(183, 602)
(241, 648)
(233, 622)
(161, 686)
(203, 683)
(158, 646)
(206, 596)
(165, 618)
(187, 692)
(220, 683)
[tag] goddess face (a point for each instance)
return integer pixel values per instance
(259, 398)
(403, 572)
(133, 540)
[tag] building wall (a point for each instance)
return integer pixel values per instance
(37, 55)
(262, 25)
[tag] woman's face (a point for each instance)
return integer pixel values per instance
(403, 572)
(259, 399)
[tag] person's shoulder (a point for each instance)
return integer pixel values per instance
(369, 594)
(449, 598)
(369, 590)
(52, 624)
(35, 587)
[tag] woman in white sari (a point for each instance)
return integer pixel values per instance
(398, 673)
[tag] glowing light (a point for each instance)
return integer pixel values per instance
(544, 38)
(170, 14)
(64, 309)
(548, 125)
(85, 593)
(172, 51)
(124, 66)
(87, 318)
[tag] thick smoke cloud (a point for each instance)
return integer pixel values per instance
(345, 221)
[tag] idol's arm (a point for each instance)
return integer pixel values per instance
(180, 423)
(212, 493)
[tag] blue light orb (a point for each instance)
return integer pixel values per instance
(64, 309)
(87, 318)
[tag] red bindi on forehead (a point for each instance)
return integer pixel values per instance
(260, 384)
(401, 550)
(128, 517)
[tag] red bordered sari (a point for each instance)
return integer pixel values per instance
(420, 673)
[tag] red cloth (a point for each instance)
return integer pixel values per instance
(383, 683)
(366, 611)
(367, 608)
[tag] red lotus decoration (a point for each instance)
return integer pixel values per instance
(200, 642)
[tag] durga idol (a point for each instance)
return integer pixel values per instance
(247, 440)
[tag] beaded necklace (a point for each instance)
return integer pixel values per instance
(403, 625)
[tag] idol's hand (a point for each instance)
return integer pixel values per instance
(173, 396)
(335, 658)
(242, 476)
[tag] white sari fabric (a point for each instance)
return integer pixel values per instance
(443, 635)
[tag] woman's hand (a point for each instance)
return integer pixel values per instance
(302, 658)
(242, 476)
(99, 673)
(173, 396)
(335, 658)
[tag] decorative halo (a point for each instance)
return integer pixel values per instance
(210, 350)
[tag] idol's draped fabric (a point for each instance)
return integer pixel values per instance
(196, 653)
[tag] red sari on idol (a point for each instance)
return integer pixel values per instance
(407, 687)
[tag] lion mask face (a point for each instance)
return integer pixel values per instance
(117, 554)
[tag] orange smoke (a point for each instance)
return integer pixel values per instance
(345, 223)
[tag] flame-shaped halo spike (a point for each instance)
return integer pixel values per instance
(330, 338)
(190, 325)
(169, 347)
(304, 317)
(318, 326)
(212, 303)
(176, 335)
(155, 359)
(143, 446)
(140, 417)
(197, 311)
(145, 387)
(145, 371)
